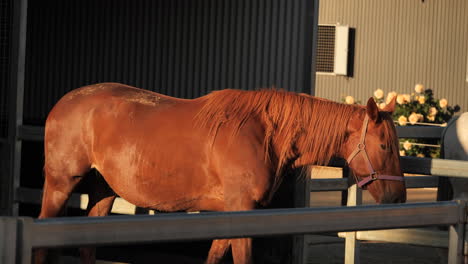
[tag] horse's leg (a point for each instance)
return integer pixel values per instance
(241, 247)
(100, 203)
(57, 190)
(218, 250)
(242, 250)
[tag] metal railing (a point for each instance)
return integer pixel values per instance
(83, 231)
(79, 231)
(426, 166)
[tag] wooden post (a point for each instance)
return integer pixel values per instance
(24, 247)
(351, 242)
(301, 199)
(8, 239)
(5, 177)
(456, 241)
(16, 95)
(457, 236)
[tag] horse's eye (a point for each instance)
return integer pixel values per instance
(382, 146)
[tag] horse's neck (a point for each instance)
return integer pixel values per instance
(284, 144)
(307, 132)
(317, 146)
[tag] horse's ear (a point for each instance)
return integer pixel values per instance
(390, 107)
(372, 109)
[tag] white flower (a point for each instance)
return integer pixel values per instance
(379, 94)
(402, 153)
(413, 118)
(400, 99)
(382, 105)
(390, 96)
(430, 118)
(402, 120)
(443, 103)
(420, 117)
(349, 99)
(432, 111)
(407, 98)
(421, 99)
(419, 88)
(407, 145)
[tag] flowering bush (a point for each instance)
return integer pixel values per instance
(419, 107)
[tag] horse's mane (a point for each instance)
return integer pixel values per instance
(285, 116)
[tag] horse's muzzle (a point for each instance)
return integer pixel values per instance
(392, 198)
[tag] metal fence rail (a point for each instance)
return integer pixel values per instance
(419, 131)
(79, 231)
(434, 167)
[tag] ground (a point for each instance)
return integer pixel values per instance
(330, 250)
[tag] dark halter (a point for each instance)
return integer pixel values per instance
(373, 176)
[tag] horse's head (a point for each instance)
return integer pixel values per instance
(371, 150)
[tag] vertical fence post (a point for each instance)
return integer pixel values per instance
(8, 239)
(16, 94)
(24, 247)
(465, 243)
(301, 199)
(351, 242)
(457, 236)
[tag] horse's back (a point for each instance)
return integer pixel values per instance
(105, 91)
(77, 105)
(143, 144)
(101, 112)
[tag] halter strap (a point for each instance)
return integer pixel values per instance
(361, 147)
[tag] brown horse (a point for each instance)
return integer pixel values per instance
(226, 151)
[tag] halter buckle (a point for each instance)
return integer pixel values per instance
(374, 176)
(361, 146)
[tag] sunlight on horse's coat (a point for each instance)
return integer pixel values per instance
(226, 151)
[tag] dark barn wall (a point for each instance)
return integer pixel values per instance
(5, 33)
(182, 48)
(6, 7)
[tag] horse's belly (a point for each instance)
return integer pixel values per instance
(165, 190)
(169, 172)
(160, 200)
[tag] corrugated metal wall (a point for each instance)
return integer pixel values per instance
(183, 48)
(400, 43)
(6, 12)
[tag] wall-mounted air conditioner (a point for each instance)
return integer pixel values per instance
(332, 49)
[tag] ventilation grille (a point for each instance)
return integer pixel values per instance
(326, 49)
(5, 35)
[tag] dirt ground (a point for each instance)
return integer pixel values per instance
(330, 250)
(382, 253)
